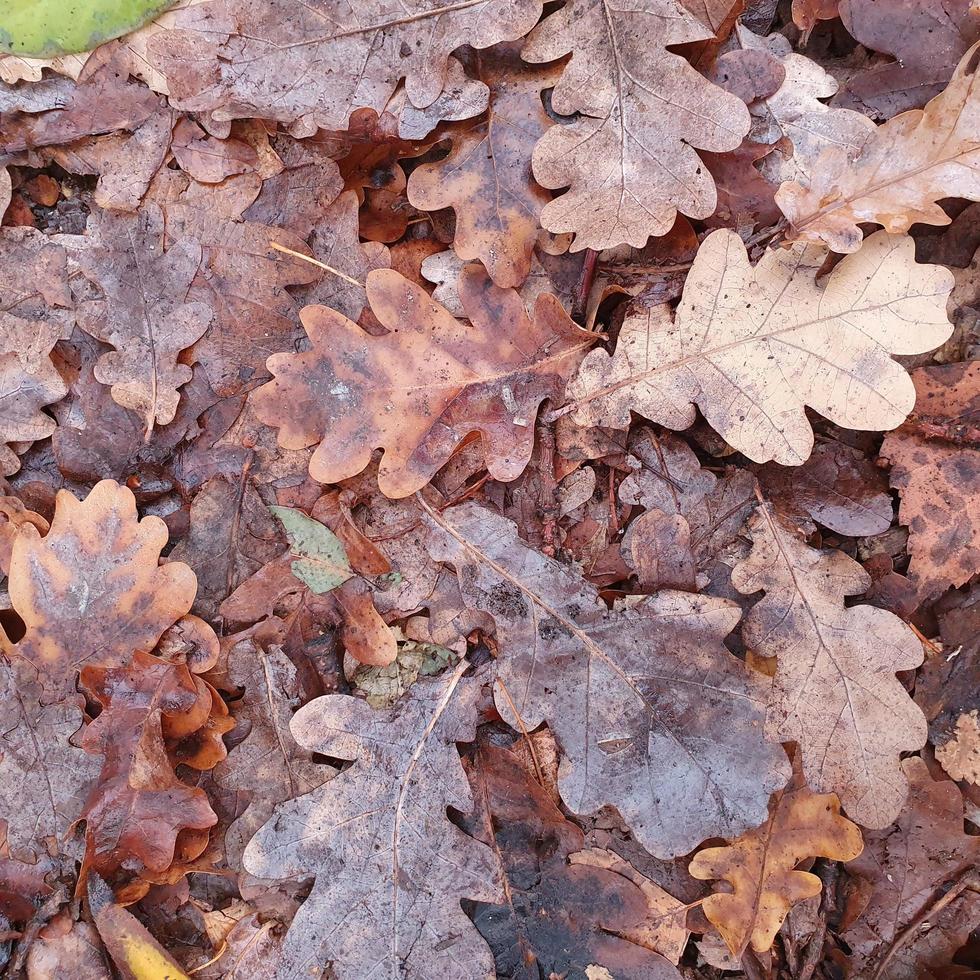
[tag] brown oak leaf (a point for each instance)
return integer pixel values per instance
(834, 692)
(93, 590)
(900, 174)
(145, 316)
(760, 866)
(486, 178)
(390, 867)
(629, 159)
(312, 66)
(654, 715)
(419, 391)
(753, 347)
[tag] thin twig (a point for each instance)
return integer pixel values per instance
(924, 640)
(316, 262)
(524, 732)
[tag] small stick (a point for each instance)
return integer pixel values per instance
(585, 283)
(317, 262)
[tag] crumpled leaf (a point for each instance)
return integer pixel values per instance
(92, 590)
(137, 811)
(319, 558)
(629, 159)
(390, 867)
(902, 867)
(486, 178)
(760, 865)
(925, 37)
(238, 59)
(655, 717)
(559, 916)
(960, 755)
(900, 174)
(422, 389)
(938, 478)
(834, 692)
(752, 347)
(268, 767)
(145, 317)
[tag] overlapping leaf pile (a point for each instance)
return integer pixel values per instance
(491, 489)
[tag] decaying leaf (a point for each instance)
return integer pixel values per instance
(901, 172)
(390, 868)
(92, 590)
(319, 558)
(629, 159)
(834, 692)
(425, 387)
(267, 60)
(654, 715)
(558, 917)
(487, 176)
(938, 477)
(760, 866)
(752, 347)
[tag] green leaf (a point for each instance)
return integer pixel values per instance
(43, 28)
(321, 562)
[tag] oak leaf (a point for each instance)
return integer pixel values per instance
(629, 159)
(145, 316)
(390, 867)
(559, 915)
(92, 590)
(938, 478)
(753, 347)
(834, 692)
(760, 866)
(425, 387)
(900, 174)
(904, 868)
(654, 715)
(486, 178)
(313, 66)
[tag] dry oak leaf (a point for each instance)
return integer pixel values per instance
(139, 808)
(835, 692)
(629, 159)
(654, 715)
(906, 867)
(93, 590)
(419, 391)
(390, 867)
(760, 866)
(313, 65)
(906, 166)
(145, 316)
(938, 478)
(926, 37)
(752, 348)
(487, 178)
(268, 767)
(960, 755)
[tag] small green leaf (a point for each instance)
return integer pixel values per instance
(321, 562)
(43, 28)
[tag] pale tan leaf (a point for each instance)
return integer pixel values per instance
(752, 348)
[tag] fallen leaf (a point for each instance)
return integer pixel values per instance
(210, 160)
(236, 60)
(92, 590)
(906, 867)
(461, 98)
(901, 172)
(760, 866)
(752, 347)
(433, 382)
(558, 916)
(67, 949)
(390, 868)
(319, 558)
(938, 478)
(145, 316)
(926, 38)
(486, 178)
(960, 756)
(835, 678)
(629, 159)
(648, 689)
